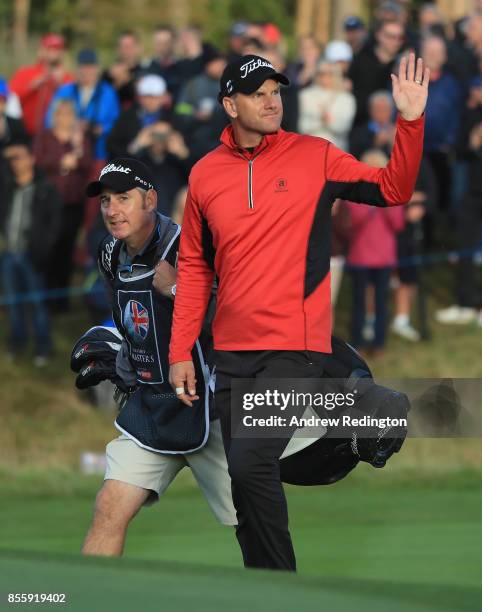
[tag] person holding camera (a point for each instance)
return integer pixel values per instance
(133, 129)
(170, 161)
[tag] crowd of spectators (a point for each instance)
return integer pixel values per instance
(58, 127)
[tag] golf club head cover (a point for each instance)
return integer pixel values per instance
(378, 444)
(94, 358)
(98, 343)
(93, 372)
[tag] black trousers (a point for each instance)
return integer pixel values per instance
(253, 463)
(61, 263)
(469, 236)
(441, 164)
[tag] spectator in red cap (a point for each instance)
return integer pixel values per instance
(36, 84)
(271, 35)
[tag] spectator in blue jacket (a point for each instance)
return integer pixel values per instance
(94, 99)
(442, 115)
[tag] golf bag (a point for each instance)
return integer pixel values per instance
(331, 458)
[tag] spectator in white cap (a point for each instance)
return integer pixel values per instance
(151, 86)
(340, 53)
(326, 109)
(133, 130)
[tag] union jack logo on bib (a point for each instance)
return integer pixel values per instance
(136, 320)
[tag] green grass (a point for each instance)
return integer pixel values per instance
(95, 584)
(369, 543)
(101, 585)
(406, 538)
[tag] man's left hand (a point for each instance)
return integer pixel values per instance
(164, 278)
(410, 88)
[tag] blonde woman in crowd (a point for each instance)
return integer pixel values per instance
(64, 153)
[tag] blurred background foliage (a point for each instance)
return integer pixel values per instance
(97, 22)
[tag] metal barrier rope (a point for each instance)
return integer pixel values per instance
(87, 288)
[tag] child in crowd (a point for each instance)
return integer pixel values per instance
(372, 255)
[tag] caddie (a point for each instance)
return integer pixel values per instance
(158, 438)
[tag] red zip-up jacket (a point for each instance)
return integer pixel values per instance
(261, 222)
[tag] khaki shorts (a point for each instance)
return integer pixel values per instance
(128, 462)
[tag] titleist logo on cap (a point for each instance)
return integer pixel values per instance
(114, 168)
(245, 69)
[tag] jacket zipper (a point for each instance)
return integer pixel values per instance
(250, 184)
(250, 176)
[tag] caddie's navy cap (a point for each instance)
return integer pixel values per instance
(121, 174)
(246, 74)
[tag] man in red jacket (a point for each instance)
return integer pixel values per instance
(258, 216)
(36, 84)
